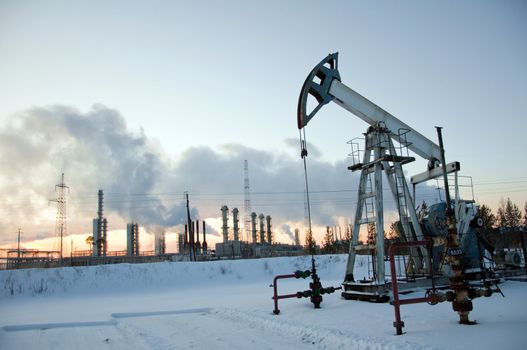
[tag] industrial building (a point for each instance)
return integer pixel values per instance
(256, 248)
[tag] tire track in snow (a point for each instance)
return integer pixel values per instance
(200, 331)
(324, 339)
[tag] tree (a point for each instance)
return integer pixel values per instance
(392, 233)
(509, 216)
(349, 230)
(489, 219)
(372, 233)
(89, 241)
(310, 243)
(525, 215)
(329, 241)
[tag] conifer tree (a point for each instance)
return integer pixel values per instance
(310, 242)
(509, 216)
(489, 219)
(329, 241)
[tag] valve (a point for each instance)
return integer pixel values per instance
(432, 297)
(302, 274)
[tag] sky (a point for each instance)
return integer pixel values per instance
(148, 100)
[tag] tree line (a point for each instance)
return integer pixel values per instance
(503, 229)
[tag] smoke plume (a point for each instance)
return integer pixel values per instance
(96, 150)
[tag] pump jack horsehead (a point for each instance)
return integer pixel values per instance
(381, 156)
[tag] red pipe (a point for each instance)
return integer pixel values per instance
(276, 311)
(398, 324)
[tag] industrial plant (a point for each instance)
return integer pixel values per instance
(237, 243)
(439, 249)
(261, 243)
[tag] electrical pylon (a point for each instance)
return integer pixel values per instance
(247, 202)
(60, 223)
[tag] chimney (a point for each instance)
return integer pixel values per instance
(235, 221)
(269, 232)
(132, 239)
(204, 245)
(297, 236)
(159, 244)
(262, 228)
(225, 227)
(253, 226)
(185, 241)
(198, 245)
(181, 243)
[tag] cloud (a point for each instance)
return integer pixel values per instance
(96, 150)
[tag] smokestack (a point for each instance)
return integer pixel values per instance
(198, 245)
(269, 232)
(225, 227)
(98, 242)
(99, 228)
(204, 245)
(132, 239)
(190, 231)
(104, 239)
(100, 207)
(253, 226)
(159, 244)
(129, 239)
(235, 224)
(181, 242)
(191, 237)
(185, 243)
(297, 236)
(262, 228)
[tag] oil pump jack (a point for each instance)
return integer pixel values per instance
(380, 156)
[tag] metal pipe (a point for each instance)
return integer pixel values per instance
(276, 311)
(461, 303)
(413, 301)
(399, 324)
(443, 165)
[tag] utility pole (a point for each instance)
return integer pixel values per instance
(60, 225)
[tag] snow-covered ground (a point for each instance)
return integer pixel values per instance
(227, 305)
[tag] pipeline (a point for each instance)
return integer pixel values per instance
(315, 291)
(432, 295)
